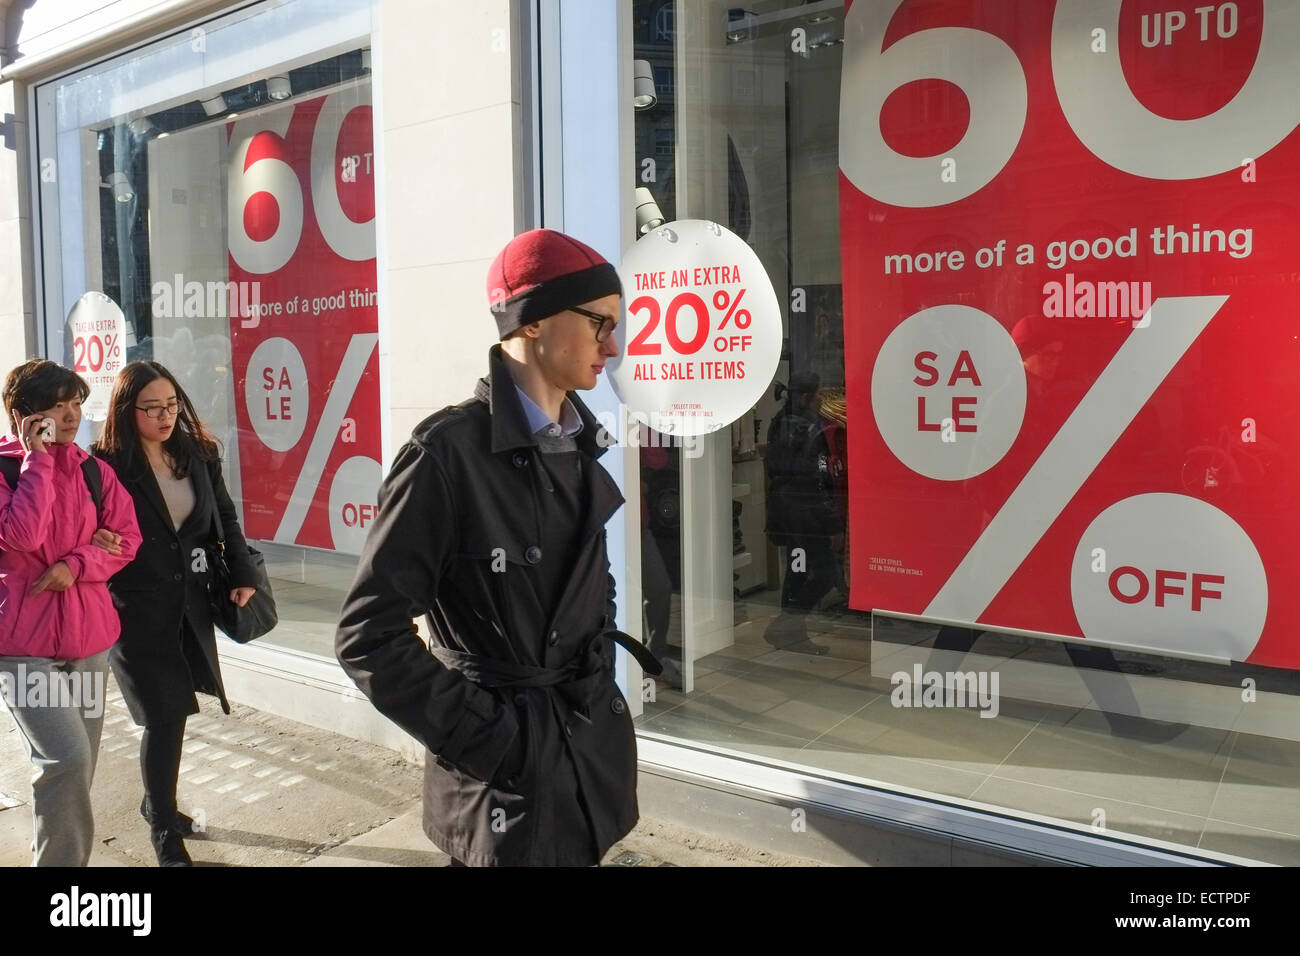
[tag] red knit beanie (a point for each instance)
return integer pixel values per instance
(542, 272)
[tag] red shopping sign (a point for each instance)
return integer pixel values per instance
(1070, 240)
(304, 340)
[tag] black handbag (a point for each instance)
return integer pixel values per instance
(258, 616)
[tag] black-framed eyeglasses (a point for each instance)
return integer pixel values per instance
(156, 411)
(607, 325)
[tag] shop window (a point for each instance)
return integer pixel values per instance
(834, 591)
(218, 186)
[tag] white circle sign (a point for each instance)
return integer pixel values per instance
(1170, 572)
(948, 392)
(701, 337)
(354, 492)
(275, 390)
(97, 328)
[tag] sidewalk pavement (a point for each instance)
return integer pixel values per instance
(272, 792)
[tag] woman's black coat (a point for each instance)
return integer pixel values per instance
(167, 584)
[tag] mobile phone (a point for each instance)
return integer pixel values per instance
(47, 430)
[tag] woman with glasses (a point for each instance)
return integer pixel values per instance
(170, 464)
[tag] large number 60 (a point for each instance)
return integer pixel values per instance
(1093, 92)
(269, 174)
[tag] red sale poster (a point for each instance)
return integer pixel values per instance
(1071, 250)
(305, 334)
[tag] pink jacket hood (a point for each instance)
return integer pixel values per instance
(51, 517)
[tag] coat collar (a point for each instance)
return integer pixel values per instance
(143, 479)
(509, 423)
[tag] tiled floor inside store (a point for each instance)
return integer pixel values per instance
(1202, 767)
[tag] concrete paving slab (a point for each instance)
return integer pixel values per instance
(272, 792)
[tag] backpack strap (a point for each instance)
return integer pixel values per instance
(9, 468)
(95, 482)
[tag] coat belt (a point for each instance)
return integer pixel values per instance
(577, 681)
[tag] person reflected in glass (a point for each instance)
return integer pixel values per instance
(66, 526)
(803, 516)
(170, 463)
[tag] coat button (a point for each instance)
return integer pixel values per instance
(174, 546)
(554, 638)
(521, 699)
(519, 460)
(176, 577)
(617, 705)
(533, 554)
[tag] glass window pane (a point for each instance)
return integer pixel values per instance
(218, 186)
(995, 533)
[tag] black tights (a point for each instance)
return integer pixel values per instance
(160, 764)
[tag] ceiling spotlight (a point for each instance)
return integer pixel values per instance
(121, 187)
(648, 213)
(279, 88)
(215, 106)
(644, 95)
(140, 126)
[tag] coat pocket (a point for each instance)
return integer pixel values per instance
(515, 773)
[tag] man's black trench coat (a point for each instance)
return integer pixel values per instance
(532, 753)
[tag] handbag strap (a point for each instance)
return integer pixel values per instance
(217, 526)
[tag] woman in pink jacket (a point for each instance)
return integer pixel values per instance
(66, 527)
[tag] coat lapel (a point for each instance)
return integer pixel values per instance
(605, 499)
(148, 484)
(200, 518)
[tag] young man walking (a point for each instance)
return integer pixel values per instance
(491, 522)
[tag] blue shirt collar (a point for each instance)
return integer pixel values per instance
(540, 423)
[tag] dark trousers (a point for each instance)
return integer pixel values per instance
(819, 575)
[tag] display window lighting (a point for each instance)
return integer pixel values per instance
(214, 106)
(648, 214)
(644, 94)
(279, 88)
(120, 186)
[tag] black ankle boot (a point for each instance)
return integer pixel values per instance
(168, 846)
(182, 822)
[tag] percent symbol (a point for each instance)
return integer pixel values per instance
(111, 346)
(641, 344)
(721, 300)
(1122, 389)
(338, 399)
